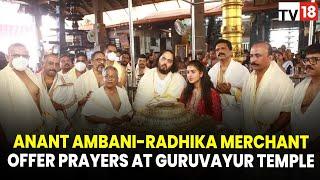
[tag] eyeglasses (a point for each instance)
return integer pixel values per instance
(110, 77)
(162, 58)
(312, 60)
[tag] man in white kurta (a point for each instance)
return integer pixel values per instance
(159, 84)
(108, 106)
(25, 106)
(61, 91)
(305, 114)
(266, 94)
(228, 77)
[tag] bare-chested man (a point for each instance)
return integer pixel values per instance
(108, 106)
(25, 107)
(305, 112)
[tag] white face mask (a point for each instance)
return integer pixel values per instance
(20, 63)
(80, 66)
(112, 56)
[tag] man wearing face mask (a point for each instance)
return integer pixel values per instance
(61, 91)
(25, 106)
(65, 64)
(80, 67)
(160, 84)
(108, 106)
(228, 77)
(112, 60)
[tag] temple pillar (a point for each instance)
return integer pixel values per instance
(232, 28)
(99, 27)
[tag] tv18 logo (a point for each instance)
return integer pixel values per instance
(298, 11)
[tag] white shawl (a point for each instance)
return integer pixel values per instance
(146, 93)
(100, 105)
(308, 122)
(85, 83)
(235, 74)
(262, 105)
(19, 112)
(62, 92)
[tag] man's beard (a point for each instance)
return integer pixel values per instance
(142, 66)
(66, 69)
(67, 66)
(51, 73)
(164, 71)
(124, 63)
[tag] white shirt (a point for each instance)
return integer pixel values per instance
(161, 84)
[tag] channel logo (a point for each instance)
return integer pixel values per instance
(298, 11)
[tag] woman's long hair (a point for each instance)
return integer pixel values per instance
(205, 84)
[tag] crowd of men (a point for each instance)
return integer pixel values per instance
(91, 96)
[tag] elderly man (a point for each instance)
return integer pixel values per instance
(61, 90)
(266, 94)
(108, 106)
(162, 83)
(228, 77)
(305, 112)
(112, 60)
(25, 106)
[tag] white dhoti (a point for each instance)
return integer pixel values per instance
(262, 105)
(235, 74)
(153, 90)
(100, 105)
(62, 92)
(18, 110)
(309, 121)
